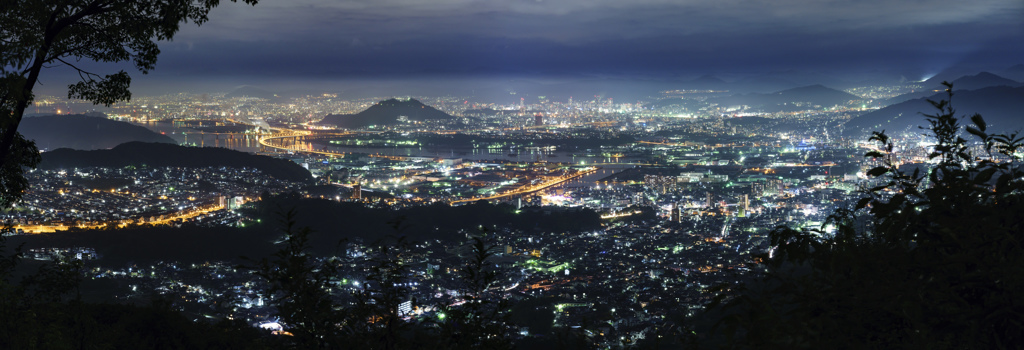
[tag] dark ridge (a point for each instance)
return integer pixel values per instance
(983, 80)
(160, 154)
(149, 244)
(1015, 72)
(387, 112)
(1000, 106)
(251, 91)
(967, 82)
(333, 220)
(708, 82)
(814, 95)
(84, 132)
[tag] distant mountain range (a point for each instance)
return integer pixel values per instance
(968, 82)
(708, 82)
(388, 112)
(1015, 72)
(535, 87)
(814, 95)
(162, 154)
(252, 91)
(1002, 107)
(782, 80)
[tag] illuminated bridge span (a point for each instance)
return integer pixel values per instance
(301, 143)
(530, 189)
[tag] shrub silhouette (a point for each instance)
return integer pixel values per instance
(926, 259)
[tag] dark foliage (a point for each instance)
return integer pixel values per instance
(298, 284)
(925, 260)
(484, 320)
(438, 221)
(1001, 105)
(44, 310)
(22, 155)
(43, 34)
(161, 243)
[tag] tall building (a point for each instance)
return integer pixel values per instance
(661, 183)
(675, 213)
(538, 119)
(234, 202)
(757, 189)
(357, 191)
(405, 308)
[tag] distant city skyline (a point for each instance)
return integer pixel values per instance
(318, 40)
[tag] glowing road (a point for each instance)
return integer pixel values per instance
(530, 189)
(181, 215)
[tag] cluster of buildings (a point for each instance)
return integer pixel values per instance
(687, 204)
(99, 197)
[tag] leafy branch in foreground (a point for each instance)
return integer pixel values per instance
(483, 320)
(927, 259)
(40, 34)
(298, 285)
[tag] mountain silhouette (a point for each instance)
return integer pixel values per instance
(162, 154)
(1015, 72)
(251, 91)
(813, 95)
(387, 112)
(948, 74)
(1000, 106)
(967, 82)
(709, 82)
(983, 80)
(84, 132)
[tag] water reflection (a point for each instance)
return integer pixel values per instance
(187, 136)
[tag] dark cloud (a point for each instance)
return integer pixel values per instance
(381, 38)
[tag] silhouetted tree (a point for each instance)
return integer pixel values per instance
(38, 34)
(377, 322)
(299, 288)
(928, 260)
(483, 320)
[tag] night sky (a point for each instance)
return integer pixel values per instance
(299, 40)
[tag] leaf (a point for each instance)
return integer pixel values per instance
(979, 122)
(985, 175)
(107, 91)
(976, 132)
(879, 136)
(873, 154)
(877, 171)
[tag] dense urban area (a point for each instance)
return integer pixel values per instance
(673, 198)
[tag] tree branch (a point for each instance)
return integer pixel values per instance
(80, 71)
